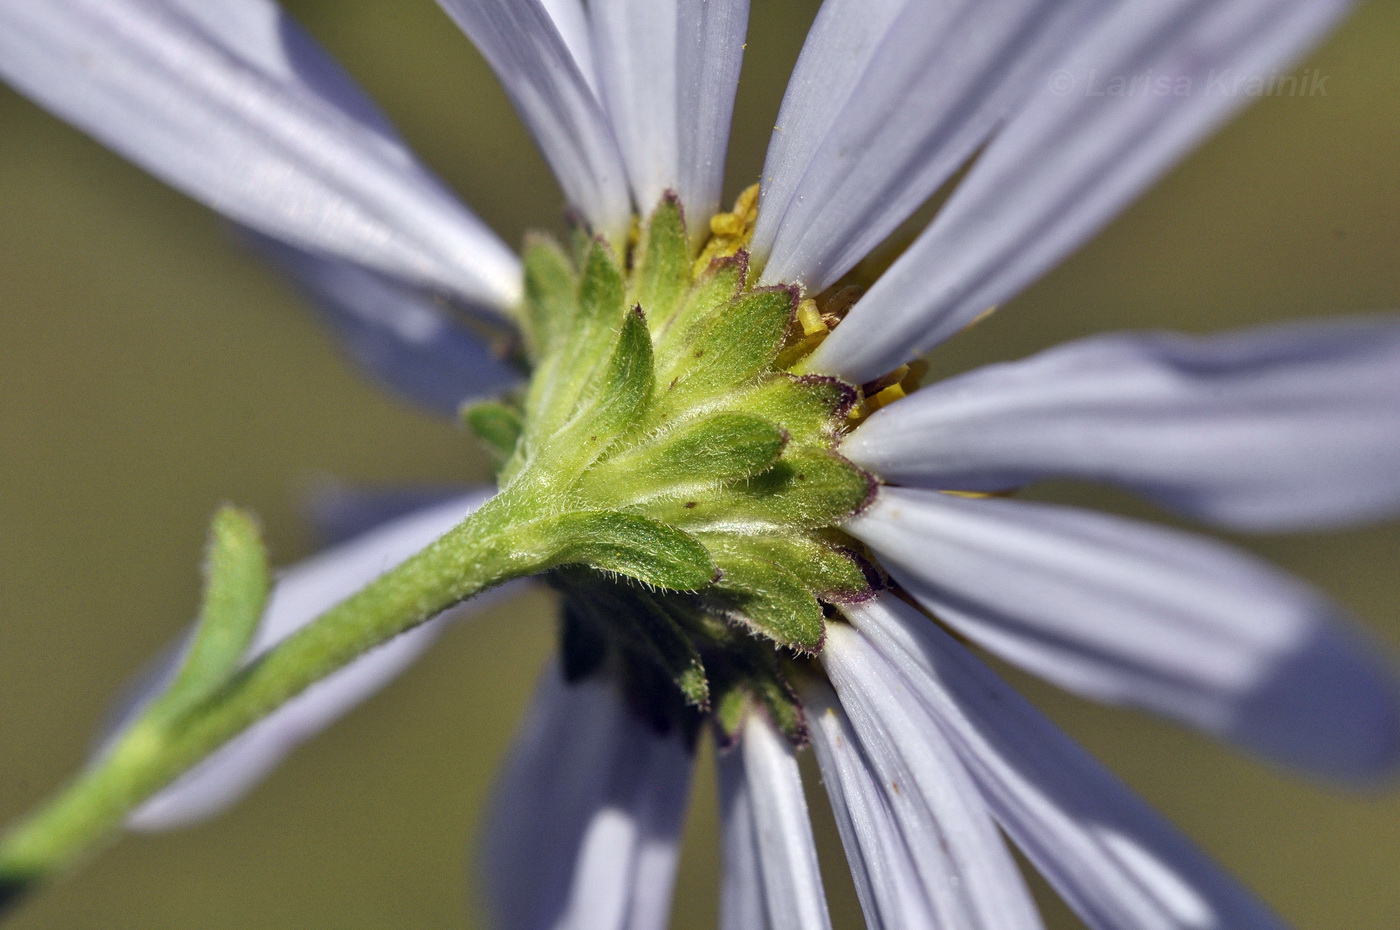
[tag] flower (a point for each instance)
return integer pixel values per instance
(924, 751)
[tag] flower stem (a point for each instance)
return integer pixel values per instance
(499, 542)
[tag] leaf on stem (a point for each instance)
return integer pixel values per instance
(497, 425)
(236, 586)
(663, 262)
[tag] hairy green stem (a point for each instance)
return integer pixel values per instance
(497, 543)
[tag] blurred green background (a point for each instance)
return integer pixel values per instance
(149, 370)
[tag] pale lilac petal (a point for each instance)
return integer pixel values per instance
(762, 775)
(923, 850)
(843, 39)
(637, 42)
(1068, 162)
(741, 902)
(1109, 855)
(303, 593)
(584, 832)
(661, 814)
(883, 868)
(1129, 613)
(547, 793)
(571, 20)
(524, 47)
(871, 139)
(711, 53)
(234, 105)
(1279, 428)
(668, 70)
(415, 346)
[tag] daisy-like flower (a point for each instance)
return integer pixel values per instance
(768, 534)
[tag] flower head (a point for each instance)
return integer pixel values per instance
(770, 530)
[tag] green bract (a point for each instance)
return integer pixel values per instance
(697, 481)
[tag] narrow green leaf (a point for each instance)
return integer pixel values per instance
(809, 487)
(698, 455)
(631, 545)
(811, 405)
(667, 644)
(602, 292)
(551, 292)
(582, 348)
(745, 679)
(497, 425)
(727, 349)
(719, 285)
(618, 398)
(651, 695)
(663, 262)
(769, 598)
(236, 586)
(826, 570)
(614, 402)
(648, 627)
(580, 240)
(781, 702)
(731, 704)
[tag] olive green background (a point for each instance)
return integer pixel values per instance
(149, 370)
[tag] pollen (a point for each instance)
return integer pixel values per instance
(726, 225)
(884, 391)
(810, 317)
(886, 397)
(729, 232)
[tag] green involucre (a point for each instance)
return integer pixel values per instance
(657, 396)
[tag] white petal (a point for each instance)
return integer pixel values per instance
(843, 39)
(923, 850)
(712, 34)
(524, 47)
(742, 905)
(637, 42)
(1109, 855)
(1149, 617)
(571, 20)
(584, 831)
(668, 71)
(882, 866)
(410, 342)
(1278, 428)
(860, 146)
(660, 811)
(1068, 162)
(233, 104)
(783, 845)
(303, 593)
(546, 794)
